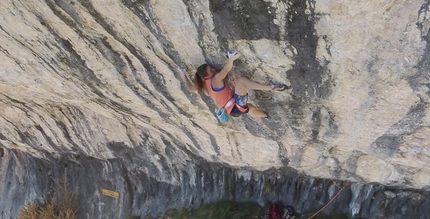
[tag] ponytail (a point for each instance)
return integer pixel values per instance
(199, 78)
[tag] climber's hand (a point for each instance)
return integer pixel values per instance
(182, 70)
(233, 56)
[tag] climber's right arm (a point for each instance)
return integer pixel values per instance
(190, 87)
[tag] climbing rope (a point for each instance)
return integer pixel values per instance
(334, 183)
(329, 201)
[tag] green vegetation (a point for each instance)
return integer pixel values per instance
(323, 216)
(219, 210)
(232, 210)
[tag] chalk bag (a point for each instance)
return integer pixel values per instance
(222, 115)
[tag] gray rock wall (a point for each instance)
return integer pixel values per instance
(25, 179)
(97, 78)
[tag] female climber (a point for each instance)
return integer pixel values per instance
(208, 79)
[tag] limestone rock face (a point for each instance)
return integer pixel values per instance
(89, 77)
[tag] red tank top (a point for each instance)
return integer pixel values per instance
(220, 97)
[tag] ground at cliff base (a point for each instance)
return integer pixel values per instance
(231, 210)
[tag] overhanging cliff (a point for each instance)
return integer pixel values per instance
(95, 78)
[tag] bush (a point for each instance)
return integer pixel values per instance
(61, 204)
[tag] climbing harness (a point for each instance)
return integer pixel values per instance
(222, 114)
